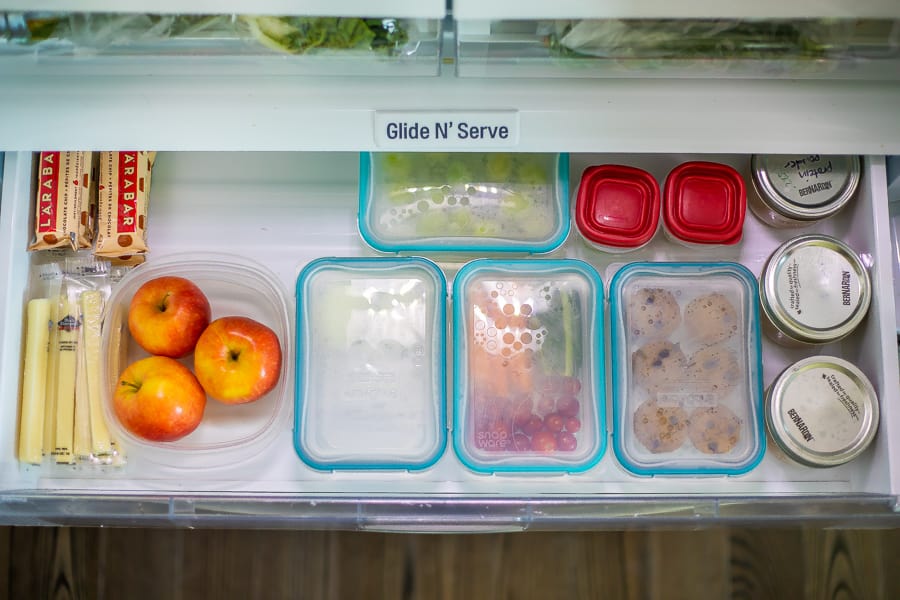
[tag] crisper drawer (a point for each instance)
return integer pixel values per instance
(285, 210)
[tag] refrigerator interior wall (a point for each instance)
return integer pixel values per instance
(286, 209)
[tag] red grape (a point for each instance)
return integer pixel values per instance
(546, 405)
(566, 442)
(554, 423)
(533, 425)
(521, 442)
(543, 441)
(568, 406)
(573, 424)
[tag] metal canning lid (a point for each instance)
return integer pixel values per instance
(805, 187)
(815, 289)
(822, 411)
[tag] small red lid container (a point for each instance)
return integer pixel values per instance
(617, 206)
(705, 203)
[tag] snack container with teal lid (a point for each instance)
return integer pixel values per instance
(686, 369)
(529, 386)
(370, 384)
(473, 203)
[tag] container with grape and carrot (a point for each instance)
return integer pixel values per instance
(529, 390)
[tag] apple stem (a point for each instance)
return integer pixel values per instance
(133, 386)
(164, 303)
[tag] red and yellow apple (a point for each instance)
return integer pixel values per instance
(159, 399)
(167, 315)
(237, 360)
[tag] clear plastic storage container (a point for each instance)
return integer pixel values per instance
(686, 369)
(227, 434)
(464, 202)
(370, 363)
(529, 386)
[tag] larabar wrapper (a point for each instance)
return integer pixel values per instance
(63, 201)
(123, 199)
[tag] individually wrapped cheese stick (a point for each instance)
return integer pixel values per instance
(34, 380)
(82, 429)
(92, 310)
(68, 328)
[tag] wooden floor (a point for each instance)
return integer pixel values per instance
(793, 564)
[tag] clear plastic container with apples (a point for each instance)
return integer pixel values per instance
(246, 405)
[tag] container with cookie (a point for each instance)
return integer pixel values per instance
(686, 369)
(529, 386)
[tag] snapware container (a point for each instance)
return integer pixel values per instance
(686, 374)
(464, 202)
(704, 204)
(529, 387)
(814, 289)
(227, 434)
(370, 364)
(617, 207)
(822, 411)
(798, 190)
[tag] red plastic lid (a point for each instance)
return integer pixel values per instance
(617, 206)
(705, 203)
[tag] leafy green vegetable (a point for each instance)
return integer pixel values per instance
(299, 35)
(562, 344)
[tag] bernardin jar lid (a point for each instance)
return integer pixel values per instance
(705, 203)
(617, 206)
(822, 411)
(815, 289)
(805, 187)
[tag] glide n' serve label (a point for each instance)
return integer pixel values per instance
(425, 130)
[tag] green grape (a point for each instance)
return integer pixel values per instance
(401, 197)
(458, 172)
(530, 170)
(486, 228)
(534, 224)
(514, 203)
(396, 167)
(431, 224)
(499, 167)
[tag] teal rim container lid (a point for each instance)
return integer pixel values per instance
(370, 384)
(686, 369)
(528, 387)
(471, 203)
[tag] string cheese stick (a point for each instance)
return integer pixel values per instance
(34, 380)
(52, 362)
(65, 382)
(82, 405)
(92, 306)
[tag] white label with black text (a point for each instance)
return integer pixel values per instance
(414, 130)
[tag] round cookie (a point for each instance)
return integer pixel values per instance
(714, 370)
(658, 366)
(660, 428)
(711, 319)
(714, 430)
(652, 313)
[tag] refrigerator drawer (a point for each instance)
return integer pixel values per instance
(285, 210)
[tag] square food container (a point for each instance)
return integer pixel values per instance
(686, 370)
(227, 434)
(464, 202)
(617, 207)
(704, 204)
(529, 387)
(371, 364)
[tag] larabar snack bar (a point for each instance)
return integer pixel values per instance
(62, 202)
(123, 200)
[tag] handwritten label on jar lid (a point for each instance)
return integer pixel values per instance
(806, 186)
(823, 411)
